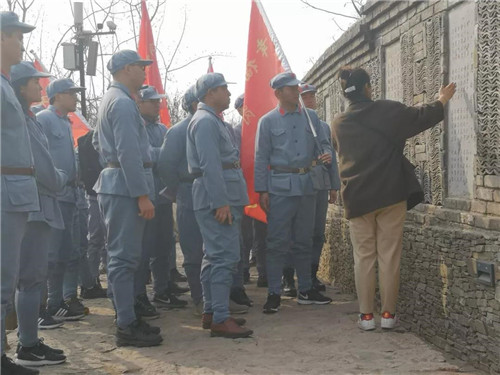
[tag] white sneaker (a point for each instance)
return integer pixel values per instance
(388, 321)
(366, 322)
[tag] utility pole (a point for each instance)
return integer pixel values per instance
(83, 40)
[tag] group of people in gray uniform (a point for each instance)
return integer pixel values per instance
(57, 218)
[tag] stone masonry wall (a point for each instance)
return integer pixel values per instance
(410, 48)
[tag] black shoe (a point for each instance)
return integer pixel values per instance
(136, 334)
(64, 313)
(144, 309)
(75, 306)
(313, 297)
(168, 300)
(46, 347)
(261, 282)
(272, 304)
(92, 293)
(149, 328)
(239, 296)
(45, 321)
(288, 283)
(177, 277)
(316, 284)
(11, 368)
(246, 276)
(38, 355)
(176, 289)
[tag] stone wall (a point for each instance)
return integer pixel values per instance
(410, 48)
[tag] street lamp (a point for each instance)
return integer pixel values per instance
(73, 54)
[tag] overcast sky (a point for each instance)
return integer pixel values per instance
(218, 27)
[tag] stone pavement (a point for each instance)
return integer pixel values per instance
(297, 340)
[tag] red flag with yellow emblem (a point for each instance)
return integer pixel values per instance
(147, 50)
(265, 59)
(79, 125)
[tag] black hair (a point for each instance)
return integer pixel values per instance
(52, 100)
(353, 81)
(17, 89)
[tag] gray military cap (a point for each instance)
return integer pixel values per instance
(209, 81)
(150, 93)
(239, 101)
(10, 20)
(25, 69)
(284, 79)
(189, 98)
(125, 57)
(61, 85)
(307, 88)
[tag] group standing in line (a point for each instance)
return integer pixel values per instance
(112, 197)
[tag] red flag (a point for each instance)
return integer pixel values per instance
(147, 50)
(210, 66)
(79, 125)
(264, 60)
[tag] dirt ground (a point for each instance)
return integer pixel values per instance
(297, 340)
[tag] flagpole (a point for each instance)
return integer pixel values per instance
(286, 65)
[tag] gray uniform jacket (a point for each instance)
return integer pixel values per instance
(57, 128)
(209, 145)
(49, 179)
(237, 134)
(120, 136)
(156, 134)
(284, 139)
(19, 193)
(333, 170)
(172, 161)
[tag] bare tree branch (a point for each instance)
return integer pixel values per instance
(178, 43)
(328, 11)
(192, 61)
(336, 23)
(356, 7)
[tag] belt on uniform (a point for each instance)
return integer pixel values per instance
(26, 171)
(281, 169)
(117, 165)
(234, 165)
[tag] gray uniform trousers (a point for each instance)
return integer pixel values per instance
(96, 249)
(290, 224)
(190, 240)
(32, 277)
(322, 197)
(125, 229)
(259, 245)
(157, 243)
(13, 227)
(222, 254)
(246, 243)
(61, 257)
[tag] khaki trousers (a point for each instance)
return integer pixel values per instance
(378, 236)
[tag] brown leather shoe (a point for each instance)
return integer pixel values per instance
(229, 329)
(206, 320)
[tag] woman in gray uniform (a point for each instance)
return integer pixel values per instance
(31, 350)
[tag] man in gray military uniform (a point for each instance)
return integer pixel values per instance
(19, 191)
(285, 153)
(219, 195)
(64, 255)
(173, 170)
(158, 241)
(327, 195)
(125, 190)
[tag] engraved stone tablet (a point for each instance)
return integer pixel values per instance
(461, 112)
(393, 84)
